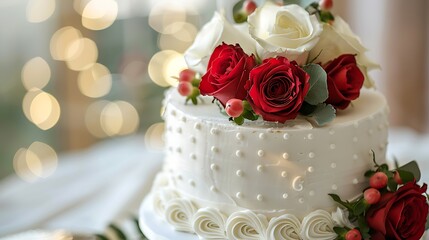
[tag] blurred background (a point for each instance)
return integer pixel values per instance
(78, 73)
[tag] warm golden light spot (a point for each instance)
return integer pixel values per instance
(180, 38)
(41, 108)
(163, 15)
(154, 136)
(111, 119)
(43, 157)
(61, 41)
(20, 166)
(39, 10)
(99, 14)
(38, 161)
(79, 5)
(131, 120)
(164, 66)
(36, 73)
(95, 82)
(83, 54)
(93, 118)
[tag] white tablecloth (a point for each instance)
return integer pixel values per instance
(107, 182)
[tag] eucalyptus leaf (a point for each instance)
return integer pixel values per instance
(318, 92)
(307, 109)
(413, 168)
(302, 3)
(323, 114)
(405, 176)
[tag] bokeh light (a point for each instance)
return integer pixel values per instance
(99, 14)
(154, 136)
(107, 119)
(163, 15)
(41, 108)
(164, 66)
(39, 10)
(36, 73)
(38, 161)
(61, 41)
(79, 5)
(180, 36)
(95, 82)
(83, 54)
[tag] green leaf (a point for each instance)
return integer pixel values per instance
(369, 173)
(363, 227)
(307, 109)
(237, 12)
(383, 168)
(302, 3)
(337, 199)
(326, 16)
(360, 207)
(239, 120)
(413, 168)
(194, 100)
(340, 231)
(323, 114)
(392, 185)
(100, 237)
(318, 92)
(405, 176)
(119, 233)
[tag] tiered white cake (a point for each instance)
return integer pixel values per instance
(264, 180)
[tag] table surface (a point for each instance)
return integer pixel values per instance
(106, 183)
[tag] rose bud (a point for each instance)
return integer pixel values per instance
(353, 234)
(372, 196)
(249, 6)
(378, 180)
(326, 5)
(185, 88)
(186, 75)
(397, 178)
(234, 107)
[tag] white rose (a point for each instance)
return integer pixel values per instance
(338, 39)
(212, 34)
(287, 31)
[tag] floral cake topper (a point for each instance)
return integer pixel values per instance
(277, 61)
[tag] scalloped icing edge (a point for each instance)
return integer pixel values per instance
(212, 223)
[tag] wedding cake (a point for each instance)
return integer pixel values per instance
(272, 124)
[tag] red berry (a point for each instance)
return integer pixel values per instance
(186, 75)
(234, 107)
(185, 88)
(372, 196)
(397, 178)
(326, 5)
(378, 180)
(249, 6)
(353, 234)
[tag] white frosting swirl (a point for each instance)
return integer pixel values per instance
(341, 218)
(179, 213)
(318, 225)
(209, 223)
(161, 198)
(286, 226)
(246, 225)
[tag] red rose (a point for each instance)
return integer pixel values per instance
(227, 73)
(344, 81)
(399, 215)
(277, 89)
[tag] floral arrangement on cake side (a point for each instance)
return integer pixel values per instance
(277, 61)
(393, 206)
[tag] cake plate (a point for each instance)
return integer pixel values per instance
(156, 228)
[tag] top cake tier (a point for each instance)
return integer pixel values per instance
(267, 167)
